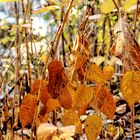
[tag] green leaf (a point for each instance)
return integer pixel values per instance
(107, 6)
(129, 3)
(46, 9)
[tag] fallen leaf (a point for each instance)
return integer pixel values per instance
(103, 101)
(27, 109)
(93, 126)
(130, 86)
(52, 104)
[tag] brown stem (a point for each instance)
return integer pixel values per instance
(116, 5)
(136, 17)
(61, 28)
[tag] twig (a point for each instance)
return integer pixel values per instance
(61, 28)
(116, 5)
(136, 16)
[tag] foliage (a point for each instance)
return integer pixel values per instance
(73, 88)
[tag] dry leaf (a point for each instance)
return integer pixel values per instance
(45, 131)
(65, 98)
(130, 86)
(55, 69)
(108, 72)
(103, 101)
(52, 104)
(27, 109)
(83, 97)
(93, 126)
(70, 117)
(46, 9)
(125, 46)
(95, 74)
(44, 95)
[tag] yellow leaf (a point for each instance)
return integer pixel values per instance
(103, 101)
(93, 126)
(130, 86)
(107, 6)
(83, 97)
(52, 104)
(46, 9)
(108, 72)
(95, 74)
(70, 117)
(9, 0)
(128, 4)
(76, 2)
(27, 109)
(65, 98)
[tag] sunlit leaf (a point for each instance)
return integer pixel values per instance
(83, 97)
(108, 72)
(128, 4)
(44, 95)
(65, 98)
(70, 117)
(95, 74)
(45, 9)
(130, 86)
(52, 104)
(27, 109)
(76, 2)
(107, 6)
(103, 101)
(93, 126)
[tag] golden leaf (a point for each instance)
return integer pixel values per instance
(27, 109)
(46, 9)
(95, 74)
(52, 104)
(107, 6)
(108, 72)
(83, 97)
(129, 3)
(70, 117)
(44, 95)
(103, 101)
(65, 98)
(76, 2)
(130, 86)
(93, 126)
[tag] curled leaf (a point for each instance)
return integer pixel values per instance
(108, 72)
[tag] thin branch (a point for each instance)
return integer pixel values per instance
(136, 16)
(61, 28)
(116, 5)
